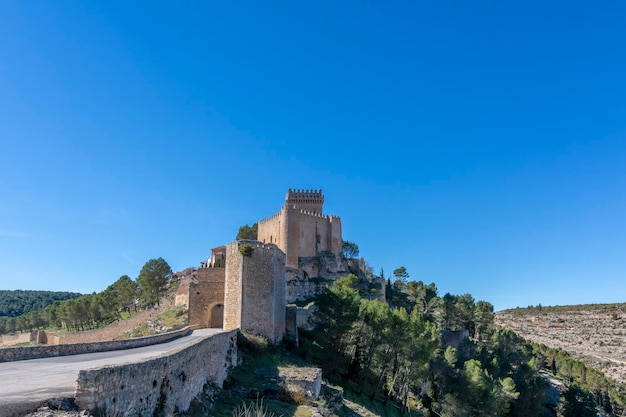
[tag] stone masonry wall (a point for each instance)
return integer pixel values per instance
(311, 233)
(161, 386)
(182, 293)
(233, 292)
(270, 230)
(8, 340)
(34, 352)
(211, 274)
(255, 290)
(307, 381)
(204, 295)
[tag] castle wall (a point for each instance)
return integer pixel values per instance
(233, 292)
(161, 386)
(255, 290)
(312, 234)
(293, 237)
(270, 230)
(335, 235)
(211, 274)
(182, 294)
(9, 340)
(205, 295)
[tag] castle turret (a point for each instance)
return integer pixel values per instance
(310, 200)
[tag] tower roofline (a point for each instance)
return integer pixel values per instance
(298, 196)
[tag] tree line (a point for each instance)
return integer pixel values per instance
(98, 309)
(18, 302)
(394, 352)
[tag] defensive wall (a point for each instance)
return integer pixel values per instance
(14, 339)
(181, 299)
(46, 351)
(254, 297)
(160, 386)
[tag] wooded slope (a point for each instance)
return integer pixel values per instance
(18, 302)
(593, 333)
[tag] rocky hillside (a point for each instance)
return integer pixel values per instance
(594, 333)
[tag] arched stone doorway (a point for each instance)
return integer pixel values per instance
(216, 316)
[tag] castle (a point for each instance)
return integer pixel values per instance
(246, 284)
(300, 229)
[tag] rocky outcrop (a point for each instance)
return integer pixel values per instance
(313, 275)
(595, 334)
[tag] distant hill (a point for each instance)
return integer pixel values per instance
(18, 302)
(592, 333)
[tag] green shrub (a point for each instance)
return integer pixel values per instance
(246, 249)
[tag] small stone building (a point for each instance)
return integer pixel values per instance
(218, 257)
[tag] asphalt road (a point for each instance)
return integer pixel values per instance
(26, 384)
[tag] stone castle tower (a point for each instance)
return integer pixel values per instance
(254, 294)
(300, 229)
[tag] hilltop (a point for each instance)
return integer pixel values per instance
(18, 302)
(592, 333)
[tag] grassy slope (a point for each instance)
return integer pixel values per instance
(255, 378)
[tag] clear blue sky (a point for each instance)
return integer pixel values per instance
(480, 144)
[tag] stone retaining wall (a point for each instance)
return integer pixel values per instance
(162, 386)
(34, 352)
(9, 340)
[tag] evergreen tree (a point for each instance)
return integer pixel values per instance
(153, 280)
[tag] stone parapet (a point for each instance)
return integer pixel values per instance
(34, 352)
(162, 386)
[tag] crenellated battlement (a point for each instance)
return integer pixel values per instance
(308, 199)
(304, 196)
(313, 214)
(270, 218)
